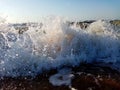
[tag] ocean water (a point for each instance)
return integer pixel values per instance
(54, 43)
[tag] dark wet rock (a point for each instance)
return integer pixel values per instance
(82, 24)
(115, 22)
(21, 27)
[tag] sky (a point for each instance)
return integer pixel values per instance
(34, 10)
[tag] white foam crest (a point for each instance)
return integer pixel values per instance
(52, 44)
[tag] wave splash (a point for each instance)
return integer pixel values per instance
(54, 43)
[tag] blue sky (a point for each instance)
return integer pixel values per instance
(34, 10)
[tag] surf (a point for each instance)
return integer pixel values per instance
(55, 43)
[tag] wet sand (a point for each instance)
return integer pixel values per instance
(86, 77)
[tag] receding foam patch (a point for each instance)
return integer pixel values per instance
(63, 77)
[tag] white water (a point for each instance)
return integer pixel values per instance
(54, 44)
(63, 77)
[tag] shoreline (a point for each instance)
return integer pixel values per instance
(86, 77)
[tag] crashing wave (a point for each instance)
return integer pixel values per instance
(53, 43)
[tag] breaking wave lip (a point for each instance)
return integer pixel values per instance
(29, 49)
